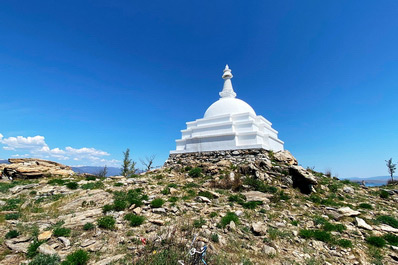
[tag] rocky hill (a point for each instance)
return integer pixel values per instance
(247, 207)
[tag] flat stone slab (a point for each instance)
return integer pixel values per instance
(257, 196)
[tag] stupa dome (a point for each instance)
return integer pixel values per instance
(228, 124)
(228, 106)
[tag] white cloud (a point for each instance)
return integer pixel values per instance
(36, 146)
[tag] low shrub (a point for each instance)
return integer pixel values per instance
(230, 216)
(135, 220)
(344, 243)
(215, 238)
(172, 185)
(42, 259)
(79, 257)
(93, 185)
(12, 216)
(173, 199)
(72, 185)
(213, 214)
(57, 182)
(388, 220)
(391, 239)
(251, 204)
(366, 206)
(157, 203)
(206, 194)
(107, 208)
(316, 234)
(259, 185)
(118, 184)
(333, 227)
(61, 231)
(32, 248)
(195, 172)
(239, 198)
(106, 222)
(12, 234)
(119, 205)
(384, 194)
(88, 226)
(280, 196)
(91, 178)
(199, 223)
(376, 241)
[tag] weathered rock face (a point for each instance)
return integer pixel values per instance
(258, 163)
(33, 168)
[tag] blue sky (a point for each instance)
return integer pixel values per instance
(81, 81)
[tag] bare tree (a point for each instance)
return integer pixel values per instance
(391, 168)
(148, 162)
(103, 172)
(128, 166)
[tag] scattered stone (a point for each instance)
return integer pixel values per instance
(269, 251)
(137, 210)
(46, 235)
(110, 260)
(361, 223)
(257, 196)
(232, 226)
(348, 189)
(387, 228)
(203, 199)
(159, 210)
(347, 211)
(87, 242)
(259, 229)
(157, 222)
(64, 241)
(46, 249)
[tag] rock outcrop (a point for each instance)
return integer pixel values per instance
(27, 168)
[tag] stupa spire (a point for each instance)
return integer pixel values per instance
(227, 91)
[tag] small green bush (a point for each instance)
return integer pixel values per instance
(91, 178)
(195, 172)
(391, 239)
(206, 194)
(79, 257)
(119, 205)
(13, 216)
(213, 214)
(106, 222)
(366, 206)
(344, 243)
(88, 226)
(215, 238)
(165, 191)
(388, 220)
(157, 203)
(12, 234)
(259, 185)
(316, 234)
(135, 220)
(199, 223)
(173, 199)
(376, 241)
(118, 184)
(61, 231)
(32, 248)
(230, 216)
(172, 185)
(93, 185)
(12, 204)
(57, 182)
(42, 259)
(251, 204)
(72, 185)
(107, 208)
(333, 227)
(305, 233)
(239, 198)
(384, 194)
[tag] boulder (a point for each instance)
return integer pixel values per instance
(302, 179)
(46, 235)
(362, 224)
(24, 168)
(348, 189)
(286, 157)
(347, 211)
(110, 260)
(259, 229)
(46, 249)
(269, 251)
(257, 196)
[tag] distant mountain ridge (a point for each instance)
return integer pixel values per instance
(112, 171)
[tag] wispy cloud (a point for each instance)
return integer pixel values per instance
(36, 146)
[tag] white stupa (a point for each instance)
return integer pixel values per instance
(228, 124)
